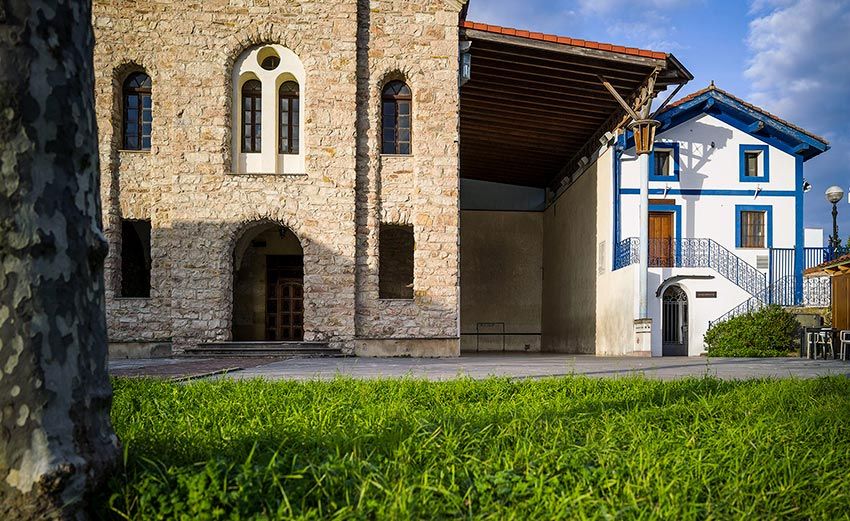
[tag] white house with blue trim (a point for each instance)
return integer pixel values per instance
(726, 233)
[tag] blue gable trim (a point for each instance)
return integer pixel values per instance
(746, 119)
(768, 210)
(676, 210)
(674, 147)
(765, 154)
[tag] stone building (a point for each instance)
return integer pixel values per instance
(334, 172)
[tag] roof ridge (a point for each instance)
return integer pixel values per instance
(714, 88)
(575, 42)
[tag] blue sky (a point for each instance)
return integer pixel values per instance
(790, 57)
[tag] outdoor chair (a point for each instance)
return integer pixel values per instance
(845, 344)
(819, 339)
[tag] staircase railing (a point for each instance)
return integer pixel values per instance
(693, 253)
(780, 291)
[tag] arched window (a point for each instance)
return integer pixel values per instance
(137, 112)
(289, 113)
(395, 117)
(252, 108)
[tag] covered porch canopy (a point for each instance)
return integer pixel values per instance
(535, 104)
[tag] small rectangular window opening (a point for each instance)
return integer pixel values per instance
(395, 261)
(663, 163)
(752, 162)
(135, 258)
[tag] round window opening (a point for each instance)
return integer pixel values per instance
(270, 63)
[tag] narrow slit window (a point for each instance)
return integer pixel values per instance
(753, 229)
(135, 258)
(663, 163)
(395, 261)
(289, 112)
(396, 114)
(252, 109)
(138, 112)
(751, 163)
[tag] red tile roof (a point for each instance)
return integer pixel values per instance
(712, 87)
(507, 31)
(818, 270)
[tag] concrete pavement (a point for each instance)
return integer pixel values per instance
(541, 365)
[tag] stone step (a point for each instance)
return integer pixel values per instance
(257, 349)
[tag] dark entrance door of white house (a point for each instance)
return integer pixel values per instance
(674, 322)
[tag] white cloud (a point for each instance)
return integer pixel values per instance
(640, 23)
(800, 70)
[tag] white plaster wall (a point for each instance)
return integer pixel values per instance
(814, 238)
(616, 291)
(709, 155)
(701, 311)
(715, 168)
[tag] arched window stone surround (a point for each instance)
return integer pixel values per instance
(394, 72)
(248, 66)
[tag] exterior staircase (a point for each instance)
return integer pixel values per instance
(694, 253)
(263, 349)
(707, 253)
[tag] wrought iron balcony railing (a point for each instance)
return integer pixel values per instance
(626, 252)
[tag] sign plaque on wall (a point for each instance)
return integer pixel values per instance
(706, 294)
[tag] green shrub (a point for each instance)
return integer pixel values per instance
(770, 331)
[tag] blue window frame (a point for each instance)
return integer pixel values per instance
(754, 158)
(665, 148)
(741, 224)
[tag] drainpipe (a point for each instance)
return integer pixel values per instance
(643, 162)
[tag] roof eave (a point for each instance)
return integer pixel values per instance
(713, 102)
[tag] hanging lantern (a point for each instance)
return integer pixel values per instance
(644, 131)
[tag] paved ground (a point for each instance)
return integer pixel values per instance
(183, 368)
(482, 366)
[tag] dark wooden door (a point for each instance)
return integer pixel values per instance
(284, 298)
(661, 244)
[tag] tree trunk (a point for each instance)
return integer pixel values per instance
(56, 440)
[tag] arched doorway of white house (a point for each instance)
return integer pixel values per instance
(674, 322)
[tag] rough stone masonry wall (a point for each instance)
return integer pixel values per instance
(199, 209)
(420, 189)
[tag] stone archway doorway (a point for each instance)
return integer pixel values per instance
(268, 285)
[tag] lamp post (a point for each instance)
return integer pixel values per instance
(834, 194)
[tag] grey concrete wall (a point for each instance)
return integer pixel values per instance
(501, 278)
(569, 268)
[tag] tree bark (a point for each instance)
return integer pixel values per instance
(56, 440)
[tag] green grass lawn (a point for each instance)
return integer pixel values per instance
(563, 448)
